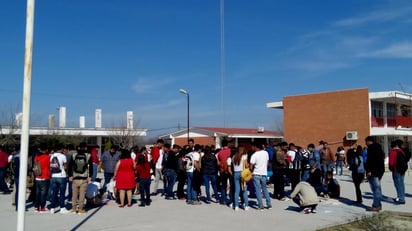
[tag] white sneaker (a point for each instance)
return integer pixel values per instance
(64, 211)
(236, 209)
(247, 208)
(52, 211)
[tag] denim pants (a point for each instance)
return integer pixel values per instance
(42, 188)
(339, 167)
(260, 187)
(58, 187)
(3, 185)
(399, 182)
(144, 187)
(95, 167)
(210, 179)
(191, 193)
(375, 184)
(107, 177)
(224, 177)
(170, 175)
(238, 189)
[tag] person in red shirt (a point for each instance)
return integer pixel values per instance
(4, 160)
(143, 173)
(42, 180)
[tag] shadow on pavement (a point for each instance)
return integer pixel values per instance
(86, 219)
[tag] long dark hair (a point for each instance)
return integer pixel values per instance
(238, 155)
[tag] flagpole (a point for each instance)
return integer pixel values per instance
(25, 127)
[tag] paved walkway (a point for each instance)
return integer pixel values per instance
(176, 215)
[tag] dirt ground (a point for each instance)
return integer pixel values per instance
(384, 221)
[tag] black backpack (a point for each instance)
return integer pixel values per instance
(80, 164)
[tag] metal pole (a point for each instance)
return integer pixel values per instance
(188, 113)
(28, 55)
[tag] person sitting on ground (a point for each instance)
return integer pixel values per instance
(94, 193)
(305, 196)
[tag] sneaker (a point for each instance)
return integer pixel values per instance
(247, 208)
(374, 209)
(269, 207)
(236, 209)
(313, 211)
(82, 211)
(43, 210)
(64, 211)
(189, 202)
(52, 211)
(262, 208)
(36, 210)
(398, 201)
(196, 203)
(285, 199)
(73, 211)
(307, 211)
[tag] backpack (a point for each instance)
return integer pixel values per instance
(296, 164)
(401, 162)
(188, 161)
(81, 164)
(55, 165)
(36, 168)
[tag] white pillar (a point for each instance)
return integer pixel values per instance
(129, 120)
(82, 122)
(98, 118)
(62, 117)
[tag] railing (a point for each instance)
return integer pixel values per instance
(404, 121)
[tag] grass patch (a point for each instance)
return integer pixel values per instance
(383, 221)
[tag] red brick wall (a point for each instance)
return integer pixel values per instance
(326, 116)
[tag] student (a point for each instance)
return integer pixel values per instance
(305, 196)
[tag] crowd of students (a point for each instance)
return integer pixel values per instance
(67, 175)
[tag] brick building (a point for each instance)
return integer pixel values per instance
(346, 117)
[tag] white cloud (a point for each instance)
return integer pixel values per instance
(378, 16)
(397, 50)
(148, 84)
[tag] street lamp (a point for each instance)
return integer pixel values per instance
(183, 91)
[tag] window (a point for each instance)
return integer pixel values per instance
(377, 109)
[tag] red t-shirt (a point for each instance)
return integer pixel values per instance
(4, 159)
(143, 170)
(44, 164)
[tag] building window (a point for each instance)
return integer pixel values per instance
(377, 114)
(391, 113)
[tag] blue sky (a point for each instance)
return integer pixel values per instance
(135, 55)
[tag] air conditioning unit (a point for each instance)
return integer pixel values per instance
(260, 129)
(351, 135)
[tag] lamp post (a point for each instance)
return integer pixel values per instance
(183, 91)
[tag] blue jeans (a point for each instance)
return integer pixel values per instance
(191, 193)
(144, 187)
(224, 177)
(375, 184)
(399, 181)
(260, 186)
(238, 182)
(3, 185)
(58, 185)
(326, 167)
(95, 166)
(107, 177)
(305, 175)
(42, 188)
(171, 175)
(339, 167)
(207, 181)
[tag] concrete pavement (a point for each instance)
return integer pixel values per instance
(176, 215)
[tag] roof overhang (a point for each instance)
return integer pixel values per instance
(276, 105)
